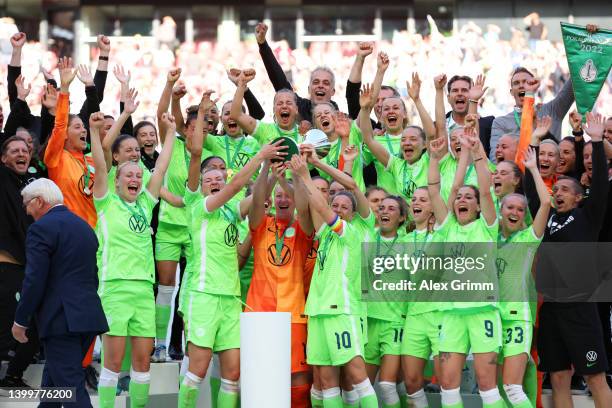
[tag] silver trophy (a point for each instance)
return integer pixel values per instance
(319, 140)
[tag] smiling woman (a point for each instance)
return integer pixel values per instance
(64, 157)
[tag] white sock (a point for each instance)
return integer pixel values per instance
(316, 394)
(140, 377)
(192, 380)
(388, 392)
(364, 388)
(515, 393)
(331, 393)
(418, 399)
(184, 366)
(450, 397)
(164, 295)
(491, 396)
(108, 378)
(350, 397)
(229, 387)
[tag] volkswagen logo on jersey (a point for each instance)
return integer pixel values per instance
(231, 235)
(137, 223)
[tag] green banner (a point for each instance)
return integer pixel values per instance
(589, 57)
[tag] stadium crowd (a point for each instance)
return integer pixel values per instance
(253, 220)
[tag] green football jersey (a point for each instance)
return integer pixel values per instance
(422, 301)
(235, 151)
(175, 180)
(514, 260)
(457, 240)
(448, 168)
(392, 144)
(333, 157)
(407, 177)
(336, 281)
(386, 306)
(112, 175)
(125, 248)
(264, 133)
(214, 235)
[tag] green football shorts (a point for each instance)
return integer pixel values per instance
(333, 340)
(129, 306)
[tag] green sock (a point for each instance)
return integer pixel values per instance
(335, 402)
(106, 395)
(457, 405)
(404, 401)
(227, 399)
(188, 396)
(497, 404)
(347, 405)
(162, 317)
(502, 392)
(315, 402)
(139, 394)
(215, 386)
(396, 405)
(371, 402)
(530, 382)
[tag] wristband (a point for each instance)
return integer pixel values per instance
(103, 58)
(475, 160)
(578, 133)
(434, 183)
(473, 101)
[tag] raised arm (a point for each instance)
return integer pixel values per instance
(205, 104)
(366, 101)
(163, 161)
(123, 77)
(91, 104)
(382, 64)
(302, 207)
(267, 152)
(441, 129)
(104, 46)
(487, 205)
(14, 68)
(595, 205)
(130, 107)
(96, 121)
(319, 209)
(476, 93)
(178, 92)
(253, 105)
(275, 71)
(58, 135)
(257, 211)
(462, 166)
(526, 128)
(414, 91)
(245, 121)
(437, 150)
(354, 81)
(164, 100)
(541, 217)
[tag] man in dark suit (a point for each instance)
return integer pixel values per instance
(60, 288)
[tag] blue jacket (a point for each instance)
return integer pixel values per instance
(61, 281)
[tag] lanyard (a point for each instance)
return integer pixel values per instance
(389, 247)
(501, 243)
(418, 251)
(140, 215)
(86, 173)
(338, 161)
(230, 162)
(279, 242)
(517, 119)
(227, 214)
(389, 144)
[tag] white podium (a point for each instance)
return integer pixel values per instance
(265, 360)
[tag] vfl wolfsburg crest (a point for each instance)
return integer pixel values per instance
(589, 56)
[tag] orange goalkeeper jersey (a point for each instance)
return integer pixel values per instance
(279, 258)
